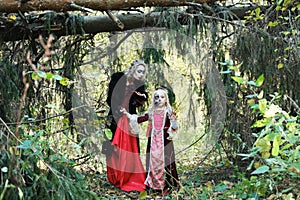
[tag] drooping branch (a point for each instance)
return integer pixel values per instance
(9, 6)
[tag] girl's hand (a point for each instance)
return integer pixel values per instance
(174, 124)
(173, 116)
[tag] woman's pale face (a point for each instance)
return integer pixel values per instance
(160, 98)
(139, 72)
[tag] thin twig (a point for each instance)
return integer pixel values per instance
(109, 49)
(297, 109)
(10, 132)
(192, 144)
(47, 118)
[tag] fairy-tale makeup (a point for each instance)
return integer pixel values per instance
(160, 98)
(139, 72)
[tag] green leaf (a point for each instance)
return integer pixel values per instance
(285, 32)
(296, 153)
(280, 65)
(257, 12)
(287, 146)
(244, 154)
(223, 63)
(64, 81)
(278, 169)
(296, 165)
(279, 2)
(261, 170)
(221, 188)
(35, 76)
(41, 74)
(275, 148)
(228, 71)
(26, 145)
(250, 166)
(143, 194)
(21, 194)
(275, 23)
(251, 83)
(242, 196)
(251, 96)
(238, 79)
(260, 80)
(260, 123)
(51, 105)
(287, 190)
(108, 133)
(262, 105)
(263, 144)
(234, 68)
(57, 77)
(49, 75)
(260, 95)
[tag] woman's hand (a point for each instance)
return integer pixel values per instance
(124, 111)
(140, 94)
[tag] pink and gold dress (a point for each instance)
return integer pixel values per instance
(160, 158)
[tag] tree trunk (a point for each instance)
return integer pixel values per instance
(59, 24)
(10, 6)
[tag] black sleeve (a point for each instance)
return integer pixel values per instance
(114, 79)
(116, 93)
(139, 98)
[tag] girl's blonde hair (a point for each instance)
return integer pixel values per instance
(133, 67)
(167, 106)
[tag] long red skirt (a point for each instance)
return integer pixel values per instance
(124, 168)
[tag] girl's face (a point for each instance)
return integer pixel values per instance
(139, 72)
(160, 98)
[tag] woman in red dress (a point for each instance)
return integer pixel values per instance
(126, 90)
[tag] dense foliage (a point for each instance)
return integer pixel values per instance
(51, 127)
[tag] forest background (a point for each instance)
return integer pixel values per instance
(231, 68)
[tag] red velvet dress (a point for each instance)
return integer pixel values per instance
(124, 167)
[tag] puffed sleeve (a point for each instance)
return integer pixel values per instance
(134, 121)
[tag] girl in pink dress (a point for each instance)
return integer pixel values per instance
(161, 170)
